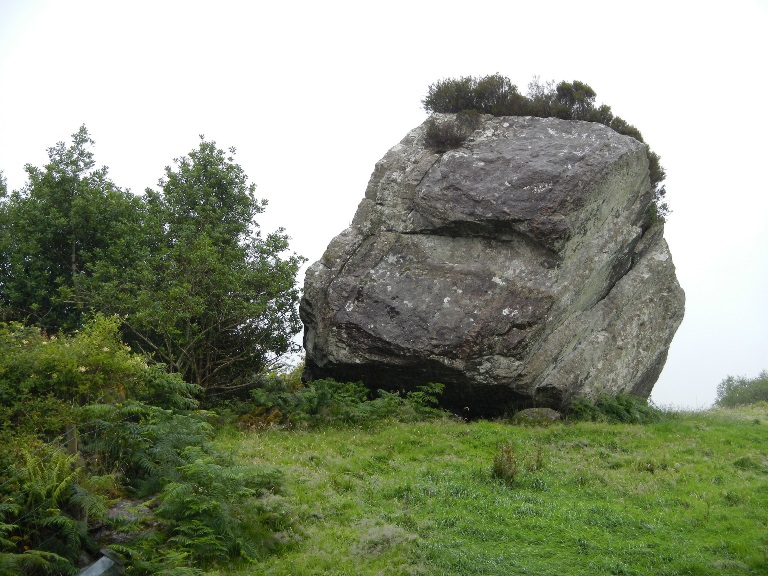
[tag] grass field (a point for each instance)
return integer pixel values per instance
(686, 495)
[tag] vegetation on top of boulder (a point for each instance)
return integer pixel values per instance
(496, 95)
(444, 136)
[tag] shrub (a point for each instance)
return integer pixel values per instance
(205, 508)
(449, 133)
(425, 399)
(493, 94)
(44, 380)
(737, 390)
(327, 401)
(84, 419)
(141, 442)
(444, 135)
(496, 95)
(509, 463)
(574, 100)
(451, 95)
(623, 408)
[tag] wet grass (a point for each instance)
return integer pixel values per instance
(685, 496)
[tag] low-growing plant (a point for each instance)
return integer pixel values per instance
(738, 390)
(212, 512)
(321, 401)
(327, 401)
(444, 135)
(624, 408)
(45, 380)
(537, 460)
(30, 562)
(142, 443)
(43, 521)
(419, 498)
(509, 462)
(84, 420)
(505, 464)
(425, 399)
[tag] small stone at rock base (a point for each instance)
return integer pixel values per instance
(536, 416)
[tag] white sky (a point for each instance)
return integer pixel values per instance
(312, 94)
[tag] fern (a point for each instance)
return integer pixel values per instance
(49, 478)
(208, 512)
(143, 442)
(65, 535)
(43, 530)
(9, 509)
(327, 401)
(34, 562)
(148, 558)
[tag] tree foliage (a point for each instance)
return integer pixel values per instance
(187, 269)
(67, 217)
(496, 95)
(737, 390)
(211, 298)
(200, 295)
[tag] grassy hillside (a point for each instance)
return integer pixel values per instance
(686, 495)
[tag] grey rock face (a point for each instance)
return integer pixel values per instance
(520, 268)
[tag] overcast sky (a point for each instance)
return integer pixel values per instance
(312, 94)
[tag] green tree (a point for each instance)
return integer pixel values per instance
(68, 216)
(211, 297)
(738, 390)
(4, 245)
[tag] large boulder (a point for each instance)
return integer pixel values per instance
(523, 268)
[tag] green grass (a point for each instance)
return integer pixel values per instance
(686, 495)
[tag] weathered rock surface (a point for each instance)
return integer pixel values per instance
(519, 269)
